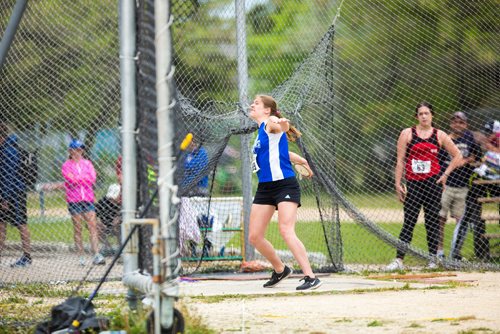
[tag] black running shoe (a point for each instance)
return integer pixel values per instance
(309, 283)
(276, 278)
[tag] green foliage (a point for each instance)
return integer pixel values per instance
(388, 55)
(34, 290)
(123, 318)
(73, 70)
(261, 20)
(271, 59)
(375, 323)
(134, 321)
(204, 69)
(13, 300)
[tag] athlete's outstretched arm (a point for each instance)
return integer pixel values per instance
(276, 124)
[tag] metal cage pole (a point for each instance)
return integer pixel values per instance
(246, 173)
(128, 132)
(129, 119)
(164, 98)
(11, 29)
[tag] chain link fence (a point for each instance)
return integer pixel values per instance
(350, 87)
(59, 97)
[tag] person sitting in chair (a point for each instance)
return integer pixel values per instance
(108, 211)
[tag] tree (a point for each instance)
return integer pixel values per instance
(63, 66)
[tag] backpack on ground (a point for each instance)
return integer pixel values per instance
(62, 317)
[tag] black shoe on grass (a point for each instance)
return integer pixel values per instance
(276, 278)
(309, 283)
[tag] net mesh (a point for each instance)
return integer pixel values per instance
(60, 81)
(350, 88)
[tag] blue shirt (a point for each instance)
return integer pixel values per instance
(11, 181)
(271, 157)
(195, 164)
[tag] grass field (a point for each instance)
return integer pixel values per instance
(46, 230)
(359, 245)
(381, 200)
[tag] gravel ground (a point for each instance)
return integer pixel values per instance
(431, 304)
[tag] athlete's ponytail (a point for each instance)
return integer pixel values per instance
(292, 134)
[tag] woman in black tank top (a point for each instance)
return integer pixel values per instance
(417, 150)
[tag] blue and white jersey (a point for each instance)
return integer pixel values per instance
(271, 159)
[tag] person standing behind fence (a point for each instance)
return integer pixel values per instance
(489, 170)
(195, 170)
(80, 176)
(13, 194)
(108, 211)
(417, 155)
(278, 189)
(457, 184)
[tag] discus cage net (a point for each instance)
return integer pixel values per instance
(349, 83)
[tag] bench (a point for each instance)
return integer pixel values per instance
(485, 200)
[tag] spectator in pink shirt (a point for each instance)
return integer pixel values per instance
(80, 176)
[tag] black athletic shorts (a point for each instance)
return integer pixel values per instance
(274, 192)
(15, 213)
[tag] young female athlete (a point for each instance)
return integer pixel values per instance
(278, 189)
(417, 156)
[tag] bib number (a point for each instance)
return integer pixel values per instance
(420, 167)
(255, 165)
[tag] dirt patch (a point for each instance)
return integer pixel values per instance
(470, 304)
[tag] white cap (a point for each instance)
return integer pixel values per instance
(113, 191)
(496, 126)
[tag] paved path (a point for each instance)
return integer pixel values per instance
(251, 284)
